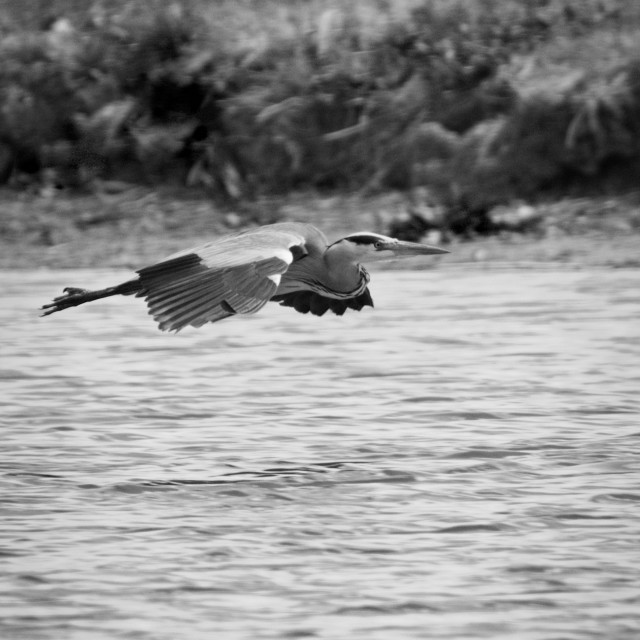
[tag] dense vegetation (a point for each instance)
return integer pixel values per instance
(479, 102)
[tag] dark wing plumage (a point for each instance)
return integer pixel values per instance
(311, 302)
(235, 274)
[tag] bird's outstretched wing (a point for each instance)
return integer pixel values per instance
(235, 274)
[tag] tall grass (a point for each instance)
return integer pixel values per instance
(479, 100)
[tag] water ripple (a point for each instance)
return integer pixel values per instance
(461, 463)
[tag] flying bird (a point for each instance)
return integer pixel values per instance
(290, 262)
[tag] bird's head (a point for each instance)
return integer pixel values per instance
(368, 246)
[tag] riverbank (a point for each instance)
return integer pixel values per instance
(134, 226)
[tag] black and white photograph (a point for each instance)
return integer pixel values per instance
(320, 320)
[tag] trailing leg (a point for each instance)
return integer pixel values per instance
(72, 296)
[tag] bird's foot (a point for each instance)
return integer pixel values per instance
(67, 299)
(72, 291)
(68, 292)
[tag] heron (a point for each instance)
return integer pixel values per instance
(291, 263)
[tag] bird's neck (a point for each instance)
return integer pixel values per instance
(342, 267)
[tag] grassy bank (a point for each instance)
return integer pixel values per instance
(138, 226)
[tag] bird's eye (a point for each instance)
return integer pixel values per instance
(377, 245)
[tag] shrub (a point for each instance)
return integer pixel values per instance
(554, 142)
(157, 92)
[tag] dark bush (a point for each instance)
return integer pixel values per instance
(152, 93)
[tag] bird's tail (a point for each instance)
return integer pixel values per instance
(72, 296)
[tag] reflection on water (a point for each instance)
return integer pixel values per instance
(461, 462)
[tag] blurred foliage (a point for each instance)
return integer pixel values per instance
(481, 101)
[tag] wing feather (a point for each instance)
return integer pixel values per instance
(236, 274)
(186, 307)
(196, 314)
(193, 302)
(168, 301)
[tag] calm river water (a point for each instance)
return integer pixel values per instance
(461, 462)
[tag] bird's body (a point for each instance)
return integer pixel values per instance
(291, 263)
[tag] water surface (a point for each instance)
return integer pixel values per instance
(461, 462)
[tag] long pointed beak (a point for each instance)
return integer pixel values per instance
(402, 248)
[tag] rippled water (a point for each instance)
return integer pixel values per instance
(462, 462)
